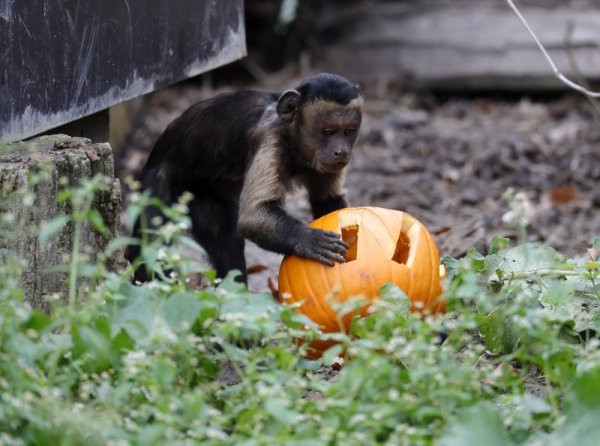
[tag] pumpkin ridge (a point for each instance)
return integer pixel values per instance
(372, 285)
(323, 306)
(380, 218)
(340, 285)
(314, 300)
(390, 269)
(286, 286)
(427, 303)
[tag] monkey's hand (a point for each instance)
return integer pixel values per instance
(324, 246)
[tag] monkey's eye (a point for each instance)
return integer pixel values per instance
(329, 131)
(350, 131)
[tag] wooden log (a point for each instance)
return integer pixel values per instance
(58, 162)
(465, 44)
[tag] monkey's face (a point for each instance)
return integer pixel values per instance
(328, 132)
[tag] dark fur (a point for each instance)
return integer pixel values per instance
(238, 153)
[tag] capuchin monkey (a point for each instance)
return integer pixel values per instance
(238, 154)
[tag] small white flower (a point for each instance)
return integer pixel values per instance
(393, 394)
(77, 408)
(338, 360)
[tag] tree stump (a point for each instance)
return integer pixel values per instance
(58, 162)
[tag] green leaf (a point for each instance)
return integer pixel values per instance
(182, 307)
(279, 410)
(97, 346)
(118, 243)
(253, 306)
(561, 367)
(229, 284)
(95, 218)
(451, 264)
(582, 413)
(38, 321)
(497, 332)
(65, 195)
(558, 294)
(596, 243)
(293, 319)
(525, 257)
(122, 342)
(498, 244)
(91, 343)
(562, 302)
(476, 259)
(392, 293)
(477, 425)
(151, 262)
(535, 405)
(596, 321)
(331, 353)
(51, 227)
(192, 244)
(137, 317)
(134, 210)
(351, 306)
(164, 373)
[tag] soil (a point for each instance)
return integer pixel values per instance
(448, 161)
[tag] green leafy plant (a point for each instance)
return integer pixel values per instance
(514, 361)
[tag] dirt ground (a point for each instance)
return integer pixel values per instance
(449, 162)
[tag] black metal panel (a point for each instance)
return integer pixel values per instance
(64, 59)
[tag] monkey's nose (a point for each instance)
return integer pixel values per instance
(341, 153)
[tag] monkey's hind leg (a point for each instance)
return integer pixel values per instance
(214, 227)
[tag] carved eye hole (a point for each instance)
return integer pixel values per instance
(329, 131)
(350, 131)
(350, 236)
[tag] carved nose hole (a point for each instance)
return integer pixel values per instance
(402, 249)
(350, 236)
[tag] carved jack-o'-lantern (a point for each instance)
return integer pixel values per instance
(385, 246)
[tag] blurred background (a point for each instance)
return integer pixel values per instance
(461, 107)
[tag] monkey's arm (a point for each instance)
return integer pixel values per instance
(263, 220)
(326, 193)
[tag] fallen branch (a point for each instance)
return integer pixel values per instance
(564, 79)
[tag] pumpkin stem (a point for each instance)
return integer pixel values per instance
(350, 236)
(402, 249)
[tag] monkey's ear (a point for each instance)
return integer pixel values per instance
(287, 105)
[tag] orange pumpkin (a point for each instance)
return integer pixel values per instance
(385, 246)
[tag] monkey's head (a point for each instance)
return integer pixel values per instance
(324, 115)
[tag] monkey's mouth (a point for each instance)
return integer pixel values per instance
(332, 167)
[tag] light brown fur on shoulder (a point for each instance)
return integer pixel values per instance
(265, 183)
